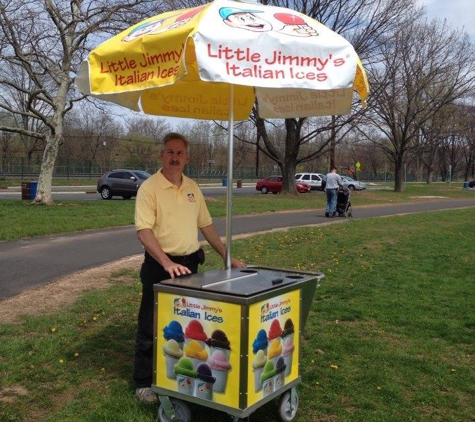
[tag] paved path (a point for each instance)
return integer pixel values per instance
(30, 263)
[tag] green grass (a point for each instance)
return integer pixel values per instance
(390, 336)
(20, 219)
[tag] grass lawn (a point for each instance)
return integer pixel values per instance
(20, 219)
(390, 336)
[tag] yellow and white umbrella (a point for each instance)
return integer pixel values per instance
(217, 60)
(181, 64)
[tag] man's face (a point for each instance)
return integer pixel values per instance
(175, 156)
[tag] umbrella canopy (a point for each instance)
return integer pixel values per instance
(217, 60)
(181, 63)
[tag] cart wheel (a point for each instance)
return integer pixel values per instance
(181, 409)
(287, 408)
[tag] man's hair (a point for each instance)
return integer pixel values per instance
(172, 136)
(333, 168)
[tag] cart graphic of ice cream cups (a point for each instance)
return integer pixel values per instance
(275, 350)
(267, 378)
(194, 331)
(204, 382)
(287, 353)
(219, 341)
(258, 363)
(275, 331)
(220, 367)
(288, 330)
(196, 352)
(260, 342)
(172, 353)
(174, 331)
(279, 377)
(185, 376)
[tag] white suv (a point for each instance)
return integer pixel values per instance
(314, 180)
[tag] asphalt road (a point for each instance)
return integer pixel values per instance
(26, 264)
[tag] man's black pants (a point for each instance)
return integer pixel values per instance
(151, 273)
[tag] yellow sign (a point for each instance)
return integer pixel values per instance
(358, 165)
(274, 327)
(198, 348)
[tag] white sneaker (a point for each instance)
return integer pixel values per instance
(146, 395)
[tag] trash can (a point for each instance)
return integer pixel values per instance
(225, 182)
(239, 183)
(465, 185)
(33, 189)
(230, 340)
(25, 190)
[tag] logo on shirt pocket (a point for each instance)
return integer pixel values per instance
(191, 197)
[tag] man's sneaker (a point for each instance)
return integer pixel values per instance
(327, 214)
(146, 395)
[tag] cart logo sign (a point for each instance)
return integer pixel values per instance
(272, 310)
(197, 310)
(198, 349)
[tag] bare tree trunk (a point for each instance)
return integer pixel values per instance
(45, 179)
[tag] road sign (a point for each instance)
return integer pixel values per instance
(358, 165)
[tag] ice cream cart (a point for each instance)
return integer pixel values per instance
(230, 340)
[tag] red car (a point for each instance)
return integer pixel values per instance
(274, 184)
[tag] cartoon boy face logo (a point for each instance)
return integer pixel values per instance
(244, 19)
(144, 29)
(247, 19)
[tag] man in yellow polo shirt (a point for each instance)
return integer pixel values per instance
(169, 210)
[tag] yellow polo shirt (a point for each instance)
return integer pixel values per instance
(173, 214)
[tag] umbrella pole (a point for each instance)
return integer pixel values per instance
(229, 185)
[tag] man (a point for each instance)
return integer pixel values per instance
(333, 182)
(169, 210)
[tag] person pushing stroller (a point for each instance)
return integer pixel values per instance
(333, 183)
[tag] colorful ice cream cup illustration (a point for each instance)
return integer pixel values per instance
(194, 331)
(204, 382)
(275, 331)
(185, 376)
(173, 353)
(257, 367)
(288, 330)
(260, 343)
(174, 331)
(287, 354)
(267, 378)
(220, 366)
(279, 377)
(275, 350)
(196, 352)
(219, 341)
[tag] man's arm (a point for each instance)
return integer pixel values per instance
(154, 249)
(212, 237)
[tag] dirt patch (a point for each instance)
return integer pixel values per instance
(63, 292)
(11, 394)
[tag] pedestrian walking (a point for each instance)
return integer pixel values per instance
(333, 183)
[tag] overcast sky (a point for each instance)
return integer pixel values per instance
(459, 13)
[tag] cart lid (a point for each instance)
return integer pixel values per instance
(239, 282)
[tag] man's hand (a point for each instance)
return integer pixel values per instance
(176, 270)
(236, 263)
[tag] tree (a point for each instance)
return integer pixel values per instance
(44, 43)
(423, 68)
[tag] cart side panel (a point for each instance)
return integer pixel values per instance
(206, 365)
(274, 344)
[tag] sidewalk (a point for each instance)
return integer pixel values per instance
(25, 264)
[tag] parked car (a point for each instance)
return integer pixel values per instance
(315, 180)
(121, 182)
(352, 184)
(471, 184)
(274, 184)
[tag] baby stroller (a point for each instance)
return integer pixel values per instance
(343, 203)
